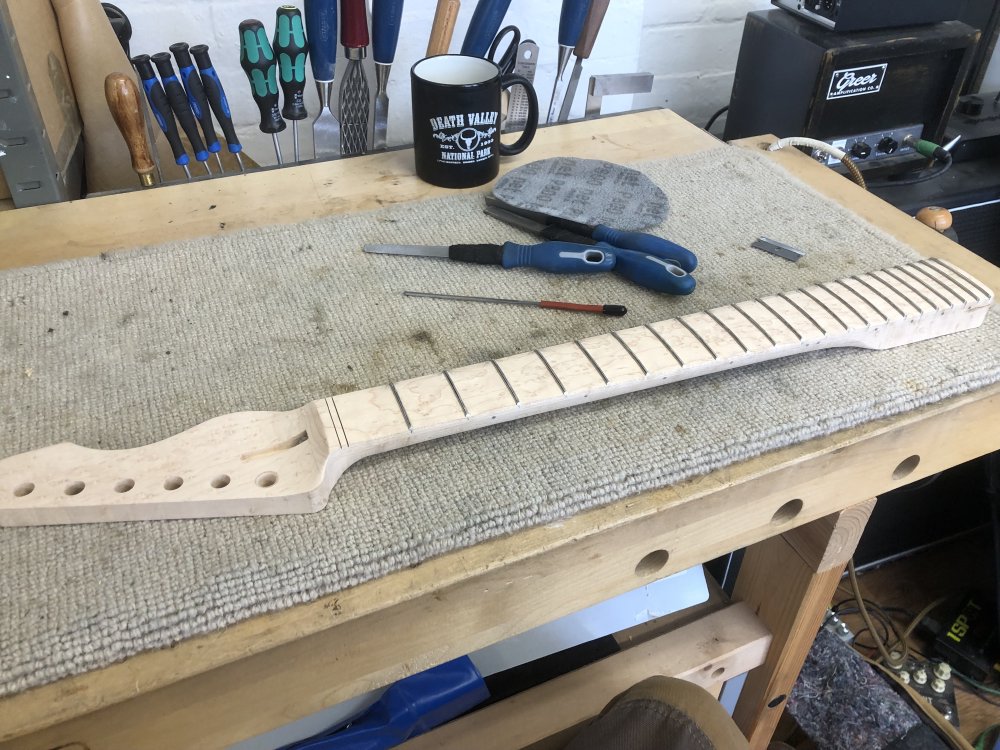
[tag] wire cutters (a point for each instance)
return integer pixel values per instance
(645, 259)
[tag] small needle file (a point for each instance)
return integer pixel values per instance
(615, 311)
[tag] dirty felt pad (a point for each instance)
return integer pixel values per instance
(587, 190)
(159, 339)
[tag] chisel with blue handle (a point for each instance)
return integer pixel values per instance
(217, 100)
(160, 108)
(321, 26)
(178, 99)
(639, 241)
(571, 19)
(554, 257)
(483, 27)
(386, 17)
(197, 98)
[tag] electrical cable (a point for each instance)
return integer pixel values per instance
(976, 684)
(826, 148)
(863, 611)
(922, 175)
(716, 116)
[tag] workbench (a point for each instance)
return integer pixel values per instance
(799, 511)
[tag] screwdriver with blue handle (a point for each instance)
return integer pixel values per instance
(217, 100)
(644, 259)
(554, 257)
(197, 98)
(160, 107)
(179, 104)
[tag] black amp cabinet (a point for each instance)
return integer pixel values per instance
(863, 92)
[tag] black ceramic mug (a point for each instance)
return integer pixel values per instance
(456, 119)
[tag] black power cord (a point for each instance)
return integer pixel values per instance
(716, 116)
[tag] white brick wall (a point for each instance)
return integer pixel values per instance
(690, 45)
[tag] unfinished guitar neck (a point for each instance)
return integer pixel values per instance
(261, 463)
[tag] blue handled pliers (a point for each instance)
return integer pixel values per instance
(645, 259)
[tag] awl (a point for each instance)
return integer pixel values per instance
(355, 95)
(123, 100)
(584, 46)
(386, 17)
(570, 25)
(321, 26)
(554, 257)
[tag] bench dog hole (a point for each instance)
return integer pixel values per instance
(652, 562)
(24, 489)
(787, 512)
(172, 483)
(74, 488)
(124, 485)
(906, 467)
(220, 481)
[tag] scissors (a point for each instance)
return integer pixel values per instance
(508, 59)
(645, 259)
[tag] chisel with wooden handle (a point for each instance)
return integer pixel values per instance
(443, 27)
(123, 101)
(584, 46)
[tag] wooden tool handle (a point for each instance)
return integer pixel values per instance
(591, 25)
(935, 217)
(123, 101)
(443, 27)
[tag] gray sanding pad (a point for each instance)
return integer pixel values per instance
(587, 190)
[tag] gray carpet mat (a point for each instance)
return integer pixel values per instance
(128, 348)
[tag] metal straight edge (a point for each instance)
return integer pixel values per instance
(614, 84)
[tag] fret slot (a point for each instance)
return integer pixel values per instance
(370, 414)
(860, 300)
(613, 358)
(684, 344)
(821, 317)
(842, 305)
(529, 378)
(982, 293)
(716, 337)
(649, 350)
(429, 401)
(878, 293)
(481, 388)
(956, 291)
(572, 367)
(742, 328)
(930, 289)
(777, 331)
(916, 300)
(793, 317)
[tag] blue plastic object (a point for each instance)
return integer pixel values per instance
(409, 708)
(386, 17)
(647, 243)
(186, 72)
(483, 27)
(571, 19)
(321, 30)
(652, 272)
(558, 257)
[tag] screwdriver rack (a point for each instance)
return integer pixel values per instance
(41, 148)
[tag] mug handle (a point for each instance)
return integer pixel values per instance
(531, 125)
